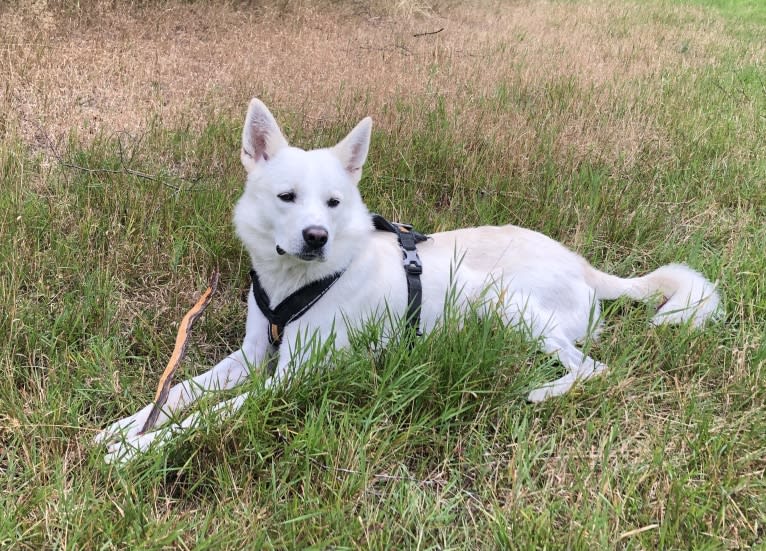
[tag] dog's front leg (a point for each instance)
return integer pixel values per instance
(289, 362)
(128, 447)
(125, 450)
(225, 375)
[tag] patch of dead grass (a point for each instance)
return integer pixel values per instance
(107, 69)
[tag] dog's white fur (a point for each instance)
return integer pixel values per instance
(531, 279)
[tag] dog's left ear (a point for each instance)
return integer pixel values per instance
(352, 150)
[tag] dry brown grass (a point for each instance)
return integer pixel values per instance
(103, 69)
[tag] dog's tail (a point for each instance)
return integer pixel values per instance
(685, 294)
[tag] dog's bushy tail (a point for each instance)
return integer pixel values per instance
(685, 294)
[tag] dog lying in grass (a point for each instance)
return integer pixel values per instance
(303, 222)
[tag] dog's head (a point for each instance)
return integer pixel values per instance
(300, 206)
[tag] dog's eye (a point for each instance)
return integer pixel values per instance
(287, 197)
(332, 203)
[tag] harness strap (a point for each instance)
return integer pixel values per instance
(291, 308)
(413, 267)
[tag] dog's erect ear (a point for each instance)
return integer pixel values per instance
(352, 150)
(261, 136)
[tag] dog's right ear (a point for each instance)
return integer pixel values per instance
(261, 136)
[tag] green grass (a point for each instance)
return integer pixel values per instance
(740, 10)
(395, 449)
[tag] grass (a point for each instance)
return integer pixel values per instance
(636, 138)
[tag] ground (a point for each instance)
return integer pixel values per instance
(634, 132)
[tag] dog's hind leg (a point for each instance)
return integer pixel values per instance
(579, 366)
(557, 319)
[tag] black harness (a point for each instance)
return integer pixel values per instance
(413, 267)
(293, 306)
(298, 303)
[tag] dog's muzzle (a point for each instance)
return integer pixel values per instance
(314, 240)
(315, 237)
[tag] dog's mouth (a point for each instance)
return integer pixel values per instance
(308, 255)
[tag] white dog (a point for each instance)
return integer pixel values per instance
(302, 220)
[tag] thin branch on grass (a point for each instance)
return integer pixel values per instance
(125, 165)
(416, 35)
(123, 170)
(131, 172)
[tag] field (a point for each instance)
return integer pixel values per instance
(632, 131)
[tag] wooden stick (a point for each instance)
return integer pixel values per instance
(179, 351)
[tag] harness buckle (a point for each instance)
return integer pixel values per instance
(412, 263)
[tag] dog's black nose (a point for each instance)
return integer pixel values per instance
(315, 236)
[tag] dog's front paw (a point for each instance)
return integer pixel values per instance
(124, 429)
(550, 390)
(128, 449)
(539, 395)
